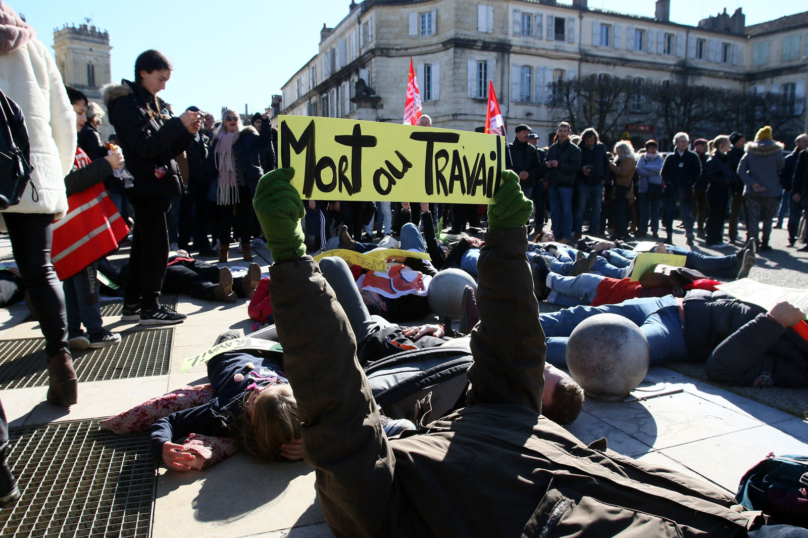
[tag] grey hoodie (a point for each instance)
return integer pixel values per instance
(761, 164)
(649, 171)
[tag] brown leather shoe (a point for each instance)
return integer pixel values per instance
(245, 252)
(64, 387)
(224, 252)
(224, 291)
(251, 280)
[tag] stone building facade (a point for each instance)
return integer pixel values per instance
(83, 58)
(524, 46)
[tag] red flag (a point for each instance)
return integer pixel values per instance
(494, 124)
(412, 108)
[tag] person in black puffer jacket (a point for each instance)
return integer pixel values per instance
(717, 177)
(149, 141)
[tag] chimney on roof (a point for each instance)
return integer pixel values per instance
(352, 6)
(737, 23)
(325, 32)
(663, 10)
(580, 4)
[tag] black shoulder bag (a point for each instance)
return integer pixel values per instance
(15, 170)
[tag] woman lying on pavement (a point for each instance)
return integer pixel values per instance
(533, 477)
(741, 344)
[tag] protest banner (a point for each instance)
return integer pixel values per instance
(765, 295)
(373, 260)
(648, 260)
(363, 161)
(230, 345)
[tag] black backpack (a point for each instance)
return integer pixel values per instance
(15, 168)
(400, 381)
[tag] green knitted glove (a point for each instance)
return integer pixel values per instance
(512, 209)
(279, 210)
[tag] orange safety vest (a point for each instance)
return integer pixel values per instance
(92, 228)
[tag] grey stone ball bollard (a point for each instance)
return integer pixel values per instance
(608, 356)
(446, 292)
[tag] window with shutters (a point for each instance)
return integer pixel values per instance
(789, 98)
(427, 93)
(639, 40)
(324, 102)
(791, 48)
(668, 44)
(527, 24)
(557, 88)
(760, 53)
(605, 35)
(637, 95)
(726, 53)
(426, 23)
(365, 32)
(90, 75)
(666, 84)
(560, 29)
(525, 83)
(312, 77)
(482, 79)
(701, 49)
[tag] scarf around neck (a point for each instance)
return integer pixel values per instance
(227, 192)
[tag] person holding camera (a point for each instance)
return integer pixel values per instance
(150, 141)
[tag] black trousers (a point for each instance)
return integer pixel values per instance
(186, 224)
(198, 199)
(717, 211)
(149, 254)
(31, 237)
(197, 279)
(237, 216)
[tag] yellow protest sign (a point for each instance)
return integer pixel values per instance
(230, 345)
(365, 161)
(648, 260)
(355, 258)
(373, 260)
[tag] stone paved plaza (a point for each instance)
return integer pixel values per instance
(699, 428)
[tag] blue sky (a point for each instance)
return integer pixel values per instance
(241, 52)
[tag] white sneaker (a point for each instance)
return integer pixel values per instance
(174, 247)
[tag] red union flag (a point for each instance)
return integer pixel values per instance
(494, 124)
(412, 109)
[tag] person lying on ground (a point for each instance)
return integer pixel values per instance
(533, 476)
(741, 344)
(597, 290)
(617, 259)
(199, 279)
(562, 399)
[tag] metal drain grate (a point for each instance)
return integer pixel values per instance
(141, 353)
(79, 481)
(114, 308)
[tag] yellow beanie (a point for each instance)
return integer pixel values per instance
(764, 134)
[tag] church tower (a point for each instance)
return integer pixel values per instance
(83, 57)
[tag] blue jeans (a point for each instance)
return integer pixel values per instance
(684, 199)
(411, 238)
(785, 205)
(386, 220)
(794, 218)
(468, 262)
(586, 193)
(575, 290)
(82, 303)
(657, 317)
(561, 211)
(714, 266)
(650, 210)
(121, 203)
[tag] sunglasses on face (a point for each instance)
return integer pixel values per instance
(231, 118)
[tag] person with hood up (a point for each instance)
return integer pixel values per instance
(150, 140)
(759, 169)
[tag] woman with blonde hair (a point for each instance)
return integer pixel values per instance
(718, 176)
(622, 194)
(236, 158)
